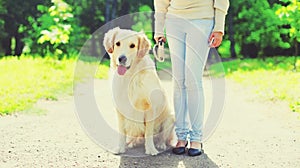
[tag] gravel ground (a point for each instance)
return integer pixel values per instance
(252, 133)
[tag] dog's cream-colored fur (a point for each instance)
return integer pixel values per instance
(139, 99)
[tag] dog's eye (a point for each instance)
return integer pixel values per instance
(132, 45)
(118, 43)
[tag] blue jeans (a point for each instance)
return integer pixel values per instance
(188, 44)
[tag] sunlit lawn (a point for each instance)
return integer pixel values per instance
(273, 79)
(25, 80)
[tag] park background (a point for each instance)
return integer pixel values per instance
(41, 40)
(41, 63)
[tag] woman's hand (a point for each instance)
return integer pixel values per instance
(217, 38)
(159, 38)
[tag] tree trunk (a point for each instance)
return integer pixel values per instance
(19, 44)
(296, 54)
(93, 46)
(114, 9)
(125, 10)
(6, 44)
(231, 35)
(9, 28)
(107, 11)
(297, 49)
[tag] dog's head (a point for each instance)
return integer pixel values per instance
(125, 48)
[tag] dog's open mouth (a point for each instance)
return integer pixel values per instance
(122, 69)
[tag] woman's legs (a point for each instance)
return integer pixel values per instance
(196, 55)
(176, 39)
(188, 43)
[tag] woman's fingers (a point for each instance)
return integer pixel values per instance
(160, 38)
(215, 39)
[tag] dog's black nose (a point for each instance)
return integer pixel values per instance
(122, 59)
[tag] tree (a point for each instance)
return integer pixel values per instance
(57, 21)
(290, 14)
(51, 31)
(15, 16)
(2, 32)
(256, 28)
(231, 32)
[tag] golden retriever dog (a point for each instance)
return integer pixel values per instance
(139, 99)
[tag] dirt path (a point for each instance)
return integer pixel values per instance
(251, 134)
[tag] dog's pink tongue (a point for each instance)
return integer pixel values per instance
(121, 70)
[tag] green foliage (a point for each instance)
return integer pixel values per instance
(290, 15)
(62, 26)
(256, 23)
(26, 80)
(140, 18)
(272, 79)
(56, 28)
(2, 31)
(224, 51)
(90, 14)
(54, 31)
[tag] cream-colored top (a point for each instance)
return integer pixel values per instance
(190, 9)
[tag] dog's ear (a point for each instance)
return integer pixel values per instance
(109, 39)
(144, 45)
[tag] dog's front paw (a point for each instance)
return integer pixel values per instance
(161, 146)
(119, 150)
(151, 151)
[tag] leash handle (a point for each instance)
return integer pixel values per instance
(211, 41)
(158, 51)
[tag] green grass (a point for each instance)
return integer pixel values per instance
(164, 65)
(25, 80)
(102, 71)
(273, 79)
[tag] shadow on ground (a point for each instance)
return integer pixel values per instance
(167, 160)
